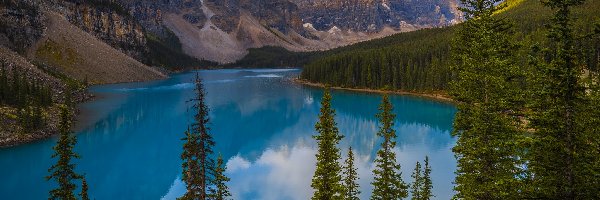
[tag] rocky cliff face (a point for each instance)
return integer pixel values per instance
(107, 21)
(21, 25)
(223, 30)
(299, 25)
(374, 15)
(229, 27)
(83, 39)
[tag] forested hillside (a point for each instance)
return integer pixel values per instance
(420, 60)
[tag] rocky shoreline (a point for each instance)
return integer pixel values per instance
(436, 96)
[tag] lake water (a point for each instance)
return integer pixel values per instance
(130, 141)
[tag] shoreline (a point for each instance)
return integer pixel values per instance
(431, 96)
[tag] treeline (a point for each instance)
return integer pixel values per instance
(420, 63)
(332, 180)
(420, 60)
(274, 57)
(167, 52)
(19, 90)
(29, 96)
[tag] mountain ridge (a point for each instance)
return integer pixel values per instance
(297, 25)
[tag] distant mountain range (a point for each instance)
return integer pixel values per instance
(222, 30)
(78, 38)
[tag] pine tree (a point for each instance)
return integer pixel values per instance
(417, 185)
(488, 88)
(220, 190)
(84, 190)
(427, 186)
(351, 187)
(63, 171)
(388, 183)
(191, 166)
(566, 147)
(198, 165)
(327, 178)
(15, 89)
(3, 85)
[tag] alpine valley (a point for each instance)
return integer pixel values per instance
(70, 44)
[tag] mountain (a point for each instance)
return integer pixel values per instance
(223, 30)
(52, 49)
(420, 60)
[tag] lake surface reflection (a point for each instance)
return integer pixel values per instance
(130, 140)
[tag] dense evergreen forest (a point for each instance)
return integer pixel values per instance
(420, 60)
(274, 57)
(166, 52)
(29, 96)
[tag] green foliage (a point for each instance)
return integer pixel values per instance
(63, 171)
(488, 85)
(419, 60)
(21, 91)
(564, 157)
(427, 186)
(31, 118)
(422, 185)
(84, 189)
(198, 165)
(327, 180)
(351, 187)
(417, 63)
(166, 52)
(191, 166)
(388, 183)
(417, 185)
(271, 57)
(29, 96)
(220, 191)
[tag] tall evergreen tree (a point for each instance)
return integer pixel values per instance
(84, 190)
(15, 89)
(327, 180)
(426, 190)
(417, 185)
(488, 88)
(565, 150)
(388, 183)
(191, 166)
(3, 85)
(351, 187)
(220, 191)
(199, 167)
(63, 172)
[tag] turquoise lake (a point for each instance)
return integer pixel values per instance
(130, 138)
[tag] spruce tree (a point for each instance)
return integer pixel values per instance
(220, 191)
(3, 85)
(388, 183)
(417, 185)
(198, 164)
(564, 157)
(488, 88)
(15, 89)
(63, 172)
(327, 179)
(84, 190)
(351, 187)
(426, 190)
(191, 166)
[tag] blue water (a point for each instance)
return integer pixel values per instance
(130, 144)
